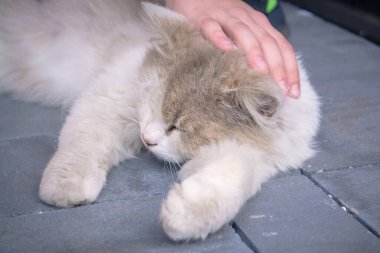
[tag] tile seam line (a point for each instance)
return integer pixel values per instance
(340, 168)
(341, 204)
(41, 212)
(244, 238)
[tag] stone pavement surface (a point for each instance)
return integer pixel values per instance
(331, 204)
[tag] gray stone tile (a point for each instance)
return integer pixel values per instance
(344, 69)
(291, 214)
(124, 219)
(138, 177)
(358, 189)
(120, 226)
(348, 137)
(21, 165)
(21, 119)
(22, 162)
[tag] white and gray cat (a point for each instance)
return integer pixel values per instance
(142, 76)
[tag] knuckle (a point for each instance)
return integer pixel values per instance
(255, 51)
(254, 54)
(278, 71)
(259, 16)
(278, 76)
(292, 69)
(266, 39)
(205, 21)
(283, 42)
(287, 47)
(239, 28)
(294, 77)
(237, 12)
(209, 27)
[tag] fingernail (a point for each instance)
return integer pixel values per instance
(260, 64)
(294, 91)
(283, 86)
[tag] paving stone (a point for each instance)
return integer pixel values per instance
(21, 119)
(120, 226)
(21, 165)
(291, 214)
(22, 162)
(358, 189)
(139, 177)
(344, 69)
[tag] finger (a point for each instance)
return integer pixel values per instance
(264, 42)
(291, 65)
(248, 42)
(287, 52)
(212, 31)
(245, 40)
(272, 54)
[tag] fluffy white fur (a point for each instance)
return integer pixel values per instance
(114, 108)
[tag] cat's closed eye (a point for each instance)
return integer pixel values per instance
(171, 128)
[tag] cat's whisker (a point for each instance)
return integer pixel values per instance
(178, 164)
(166, 168)
(135, 121)
(172, 171)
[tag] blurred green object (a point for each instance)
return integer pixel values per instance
(270, 6)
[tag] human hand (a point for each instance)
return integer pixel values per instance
(266, 49)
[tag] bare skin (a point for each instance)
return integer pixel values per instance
(227, 23)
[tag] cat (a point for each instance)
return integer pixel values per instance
(139, 75)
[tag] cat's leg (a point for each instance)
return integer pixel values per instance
(97, 134)
(213, 187)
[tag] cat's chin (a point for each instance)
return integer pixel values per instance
(167, 156)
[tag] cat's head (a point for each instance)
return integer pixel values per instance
(196, 95)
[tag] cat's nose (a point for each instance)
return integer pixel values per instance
(148, 141)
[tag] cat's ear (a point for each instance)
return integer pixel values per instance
(256, 101)
(260, 99)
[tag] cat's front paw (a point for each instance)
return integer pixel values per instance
(191, 211)
(67, 188)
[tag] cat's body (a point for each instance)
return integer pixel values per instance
(151, 81)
